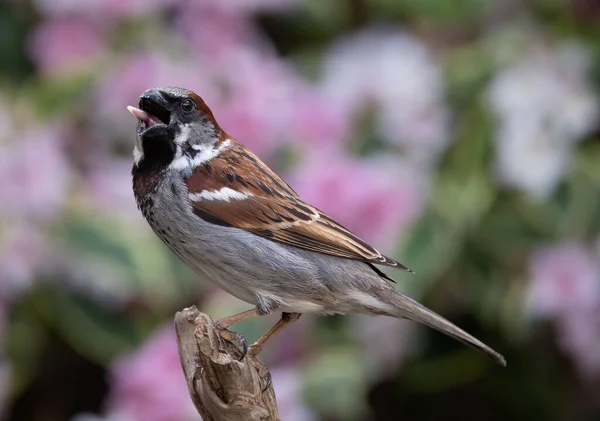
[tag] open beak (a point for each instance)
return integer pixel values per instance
(145, 117)
(153, 109)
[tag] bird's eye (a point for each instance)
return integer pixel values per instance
(187, 105)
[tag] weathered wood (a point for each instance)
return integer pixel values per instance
(221, 387)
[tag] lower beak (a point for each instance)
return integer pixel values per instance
(142, 115)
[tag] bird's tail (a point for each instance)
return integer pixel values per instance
(407, 308)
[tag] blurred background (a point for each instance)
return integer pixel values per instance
(462, 138)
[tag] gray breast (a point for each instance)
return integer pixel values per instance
(252, 268)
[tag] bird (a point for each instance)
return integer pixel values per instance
(235, 222)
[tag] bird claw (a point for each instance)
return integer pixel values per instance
(244, 347)
(236, 338)
(248, 351)
(268, 382)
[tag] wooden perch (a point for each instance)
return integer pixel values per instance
(222, 387)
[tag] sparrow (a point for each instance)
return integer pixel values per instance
(232, 220)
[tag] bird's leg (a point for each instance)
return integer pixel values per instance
(286, 319)
(238, 338)
(225, 322)
(256, 347)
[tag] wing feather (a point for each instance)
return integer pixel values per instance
(265, 205)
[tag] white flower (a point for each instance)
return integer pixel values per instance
(544, 105)
(395, 72)
(528, 158)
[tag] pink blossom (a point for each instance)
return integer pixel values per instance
(66, 44)
(565, 285)
(580, 336)
(264, 102)
(107, 188)
(131, 76)
(256, 98)
(373, 198)
(316, 121)
(258, 106)
(387, 343)
(563, 278)
(246, 6)
(244, 119)
(286, 383)
(102, 9)
(23, 254)
(115, 9)
(149, 385)
(212, 31)
(267, 104)
(34, 173)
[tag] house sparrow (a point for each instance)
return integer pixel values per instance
(230, 218)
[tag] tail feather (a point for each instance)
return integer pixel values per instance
(405, 307)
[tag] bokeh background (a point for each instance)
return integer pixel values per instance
(461, 137)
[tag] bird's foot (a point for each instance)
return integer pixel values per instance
(268, 381)
(236, 338)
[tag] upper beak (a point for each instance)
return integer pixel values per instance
(153, 109)
(153, 100)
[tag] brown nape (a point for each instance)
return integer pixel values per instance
(223, 136)
(204, 109)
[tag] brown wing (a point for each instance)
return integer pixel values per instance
(261, 203)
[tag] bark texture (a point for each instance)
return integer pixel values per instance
(221, 387)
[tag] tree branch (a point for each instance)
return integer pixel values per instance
(221, 387)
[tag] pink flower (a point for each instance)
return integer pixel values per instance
(245, 119)
(258, 107)
(102, 9)
(107, 189)
(580, 336)
(373, 198)
(387, 343)
(23, 254)
(212, 31)
(563, 278)
(34, 173)
(246, 6)
(565, 285)
(256, 97)
(65, 44)
(131, 76)
(149, 385)
(287, 382)
(317, 121)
